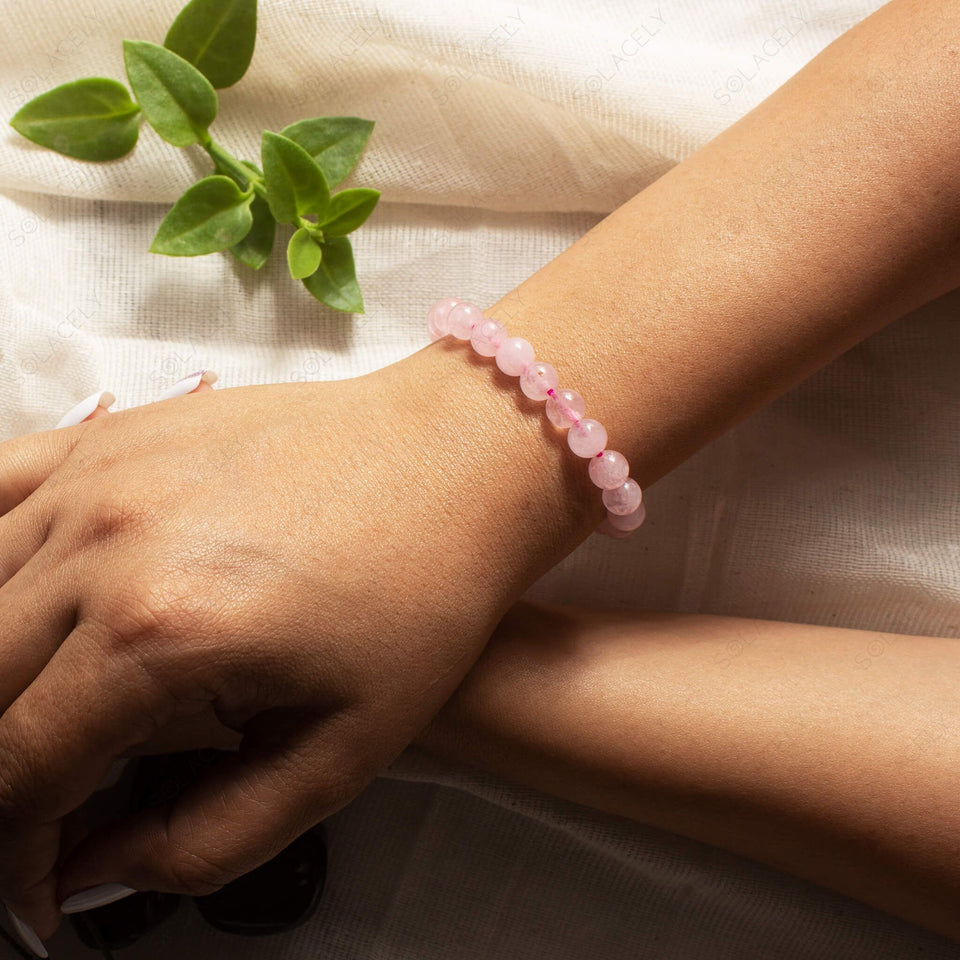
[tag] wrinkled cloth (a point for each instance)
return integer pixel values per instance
(503, 132)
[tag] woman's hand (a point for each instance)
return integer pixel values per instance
(314, 562)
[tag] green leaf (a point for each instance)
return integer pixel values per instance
(348, 210)
(217, 37)
(295, 184)
(335, 281)
(334, 142)
(212, 215)
(303, 254)
(91, 119)
(255, 248)
(176, 97)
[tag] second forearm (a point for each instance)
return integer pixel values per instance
(829, 753)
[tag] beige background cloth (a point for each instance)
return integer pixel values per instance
(504, 132)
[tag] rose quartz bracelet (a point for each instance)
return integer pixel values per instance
(587, 438)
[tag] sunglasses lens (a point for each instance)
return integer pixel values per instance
(277, 896)
(122, 923)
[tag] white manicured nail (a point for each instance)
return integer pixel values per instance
(79, 413)
(95, 897)
(28, 935)
(188, 384)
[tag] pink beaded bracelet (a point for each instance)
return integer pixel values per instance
(587, 438)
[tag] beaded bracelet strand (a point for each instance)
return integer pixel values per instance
(565, 409)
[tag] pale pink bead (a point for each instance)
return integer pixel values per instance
(538, 379)
(437, 318)
(623, 499)
(587, 438)
(609, 469)
(513, 355)
(463, 318)
(564, 408)
(487, 336)
(628, 522)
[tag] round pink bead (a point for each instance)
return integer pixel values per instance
(438, 317)
(487, 336)
(623, 499)
(463, 318)
(564, 408)
(609, 469)
(587, 438)
(629, 521)
(513, 355)
(537, 379)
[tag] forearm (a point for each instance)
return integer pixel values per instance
(830, 753)
(825, 213)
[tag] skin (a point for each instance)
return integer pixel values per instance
(829, 753)
(320, 564)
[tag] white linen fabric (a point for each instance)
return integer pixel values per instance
(504, 131)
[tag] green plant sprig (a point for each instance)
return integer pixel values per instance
(238, 207)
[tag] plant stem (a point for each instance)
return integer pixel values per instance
(237, 167)
(312, 228)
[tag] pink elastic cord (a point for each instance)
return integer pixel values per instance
(564, 408)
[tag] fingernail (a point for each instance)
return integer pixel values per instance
(95, 897)
(79, 413)
(28, 935)
(188, 384)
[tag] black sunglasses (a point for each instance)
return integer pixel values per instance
(278, 896)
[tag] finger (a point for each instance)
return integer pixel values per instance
(35, 623)
(25, 462)
(204, 380)
(197, 381)
(203, 386)
(35, 888)
(23, 531)
(57, 742)
(37, 611)
(55, 749)
(203, 731)
(239, 815)
(86, 408)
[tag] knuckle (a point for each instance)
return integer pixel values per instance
(112, 514)
(149, 637)
(196, 875)
(146, 606)
(134, 616)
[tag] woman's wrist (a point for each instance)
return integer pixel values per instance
(499, 464)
